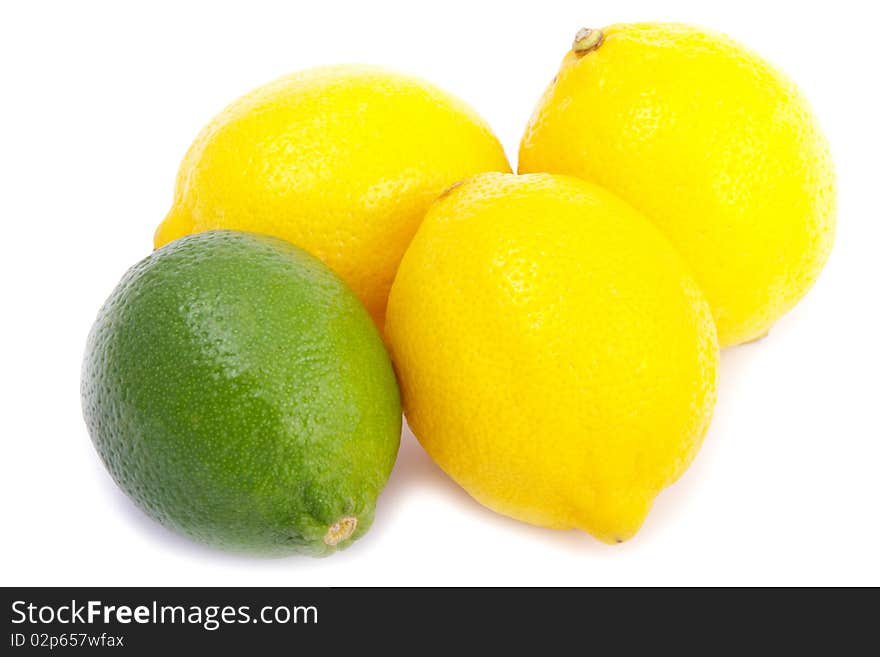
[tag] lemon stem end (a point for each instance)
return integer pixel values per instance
(587, 40)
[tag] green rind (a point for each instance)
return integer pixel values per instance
(238, 392)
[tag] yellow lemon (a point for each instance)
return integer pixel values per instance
(342, 161)
(714, 145)
(555, 355)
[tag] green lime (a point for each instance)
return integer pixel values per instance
(238, 392)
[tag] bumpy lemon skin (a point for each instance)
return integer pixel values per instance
(711, 143)
(555, 355)
(342, 161)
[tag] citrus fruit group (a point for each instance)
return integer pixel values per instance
(554, 335)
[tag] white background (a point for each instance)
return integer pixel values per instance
(99, 102)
